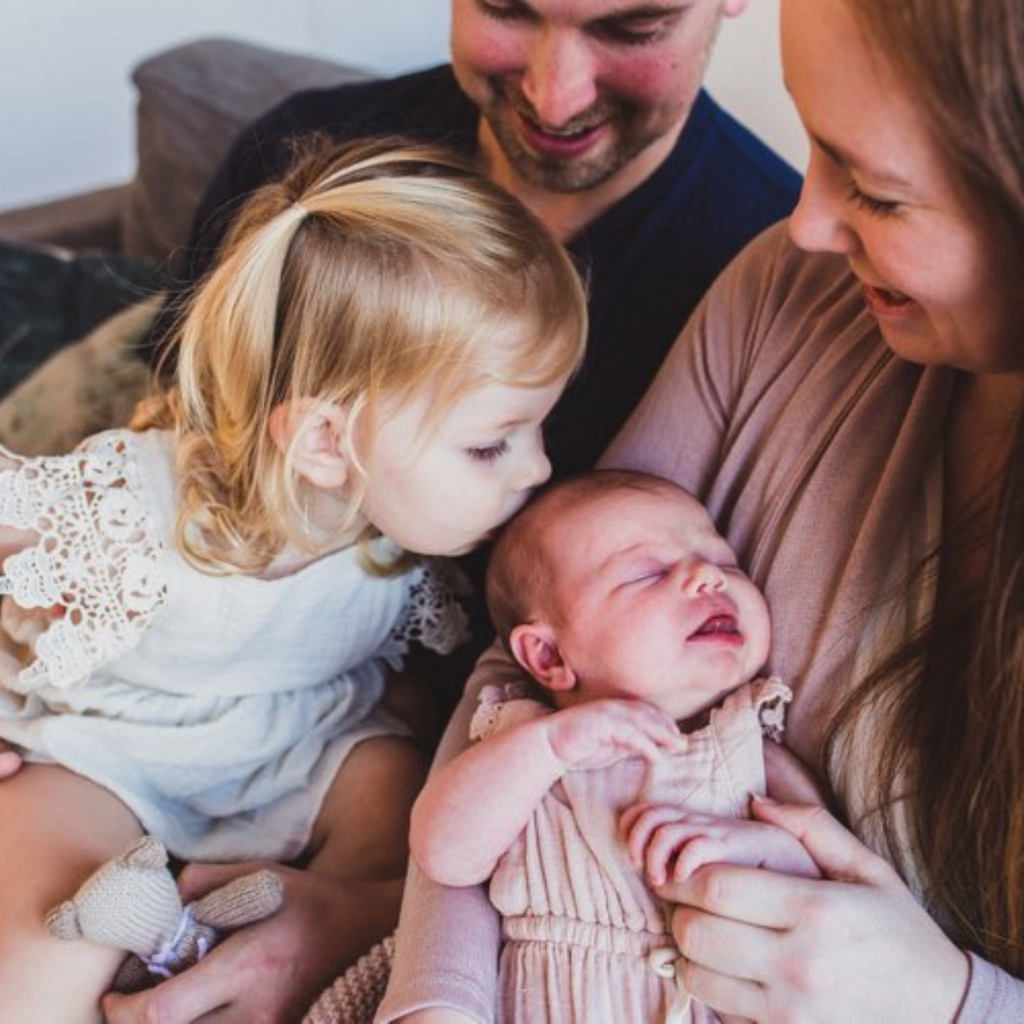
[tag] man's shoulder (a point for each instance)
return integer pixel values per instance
(424, 103)
(729, 153)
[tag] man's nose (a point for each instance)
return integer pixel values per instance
(560, 78)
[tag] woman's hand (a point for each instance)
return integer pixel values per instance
(273, 970)
(854, 947)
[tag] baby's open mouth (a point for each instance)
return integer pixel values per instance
(717, 626)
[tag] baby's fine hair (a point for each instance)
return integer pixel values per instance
(383, 270)
(521, 572)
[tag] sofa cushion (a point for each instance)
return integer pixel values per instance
(193, 101)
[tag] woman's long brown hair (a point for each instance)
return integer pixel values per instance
(952, 743)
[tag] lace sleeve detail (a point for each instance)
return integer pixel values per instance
(433, 615)
(501, 707)
(770, 697)
(97, 557)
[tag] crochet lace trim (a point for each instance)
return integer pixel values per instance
(492, 702)
(97, 557)
(434, 616)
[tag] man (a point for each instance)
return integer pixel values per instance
(592, 113)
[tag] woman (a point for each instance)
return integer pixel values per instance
(849, 409)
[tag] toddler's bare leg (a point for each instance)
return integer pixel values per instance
(361, 838)
(56, 828)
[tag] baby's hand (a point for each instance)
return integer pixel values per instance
(602, 732)
(661, 838)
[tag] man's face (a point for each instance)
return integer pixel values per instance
(573, 91)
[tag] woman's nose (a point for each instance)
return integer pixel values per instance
(818, 224)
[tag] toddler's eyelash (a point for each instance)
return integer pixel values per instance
(489, 454)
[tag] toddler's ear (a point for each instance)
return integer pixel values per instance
(315, 433)
(535, 646)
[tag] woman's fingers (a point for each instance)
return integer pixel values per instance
(728, 995)
(838, 852)
(181, 999)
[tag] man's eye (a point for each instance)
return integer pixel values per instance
(635, 32)
(489, 453)
(504, 12)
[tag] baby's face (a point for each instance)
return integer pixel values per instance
(649, 602)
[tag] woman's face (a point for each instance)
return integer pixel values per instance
(943, 281)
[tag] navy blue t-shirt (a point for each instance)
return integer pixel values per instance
(648, 259)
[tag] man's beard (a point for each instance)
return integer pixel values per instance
(569, 174)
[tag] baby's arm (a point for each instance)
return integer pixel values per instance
(472, 809)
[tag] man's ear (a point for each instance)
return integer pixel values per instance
(315, 434)
(535, 646)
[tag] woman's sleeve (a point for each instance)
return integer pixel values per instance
(992, 995)
(449, 938)
(678, 428)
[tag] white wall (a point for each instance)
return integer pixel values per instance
(67, 114)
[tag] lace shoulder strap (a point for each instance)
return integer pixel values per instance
(434, 616)
(97, 556)
(502, 706)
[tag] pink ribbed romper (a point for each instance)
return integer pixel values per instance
(585, 939)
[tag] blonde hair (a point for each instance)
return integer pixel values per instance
(378, 270)
(951, 747)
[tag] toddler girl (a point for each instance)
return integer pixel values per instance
(202, 613)
(619, 597)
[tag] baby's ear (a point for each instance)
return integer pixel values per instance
(316, 434)
(535, 646)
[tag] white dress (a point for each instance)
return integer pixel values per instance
(218, 708)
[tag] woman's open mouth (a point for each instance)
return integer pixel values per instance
(884, 302)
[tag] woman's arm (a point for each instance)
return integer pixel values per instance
(448, 939)
(472, 808)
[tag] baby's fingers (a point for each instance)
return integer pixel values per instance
(640, 823)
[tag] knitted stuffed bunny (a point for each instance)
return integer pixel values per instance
(132, 903)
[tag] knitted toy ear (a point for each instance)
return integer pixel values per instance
(146, 853)
(62, 921)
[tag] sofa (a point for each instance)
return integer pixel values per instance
(192, 102)
(88, 269)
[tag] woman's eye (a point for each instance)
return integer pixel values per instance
(489, 453)
(880, 207)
